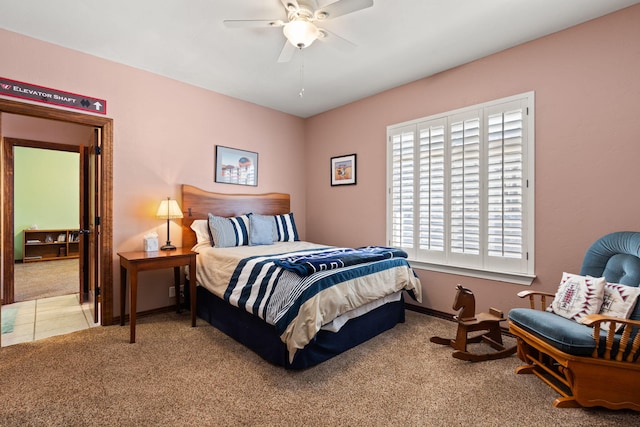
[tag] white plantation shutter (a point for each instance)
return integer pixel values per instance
(505, 185)
(431, 196)
(460, 192)
(509, 229)
(464, 196)
(402, 190)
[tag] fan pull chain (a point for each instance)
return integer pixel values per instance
(301, 93)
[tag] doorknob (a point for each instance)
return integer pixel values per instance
(84, 231)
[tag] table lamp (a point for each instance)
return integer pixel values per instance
(168, 209)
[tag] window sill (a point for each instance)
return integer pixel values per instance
(515, 278)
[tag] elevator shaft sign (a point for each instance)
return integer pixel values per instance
(47, 95)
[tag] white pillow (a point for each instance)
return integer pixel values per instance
(619, 301)
(201, 228)
(578, 296)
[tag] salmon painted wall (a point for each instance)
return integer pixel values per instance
(587, 95)
(587, 102)
(165, 133)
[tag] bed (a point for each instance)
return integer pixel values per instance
(292, 319)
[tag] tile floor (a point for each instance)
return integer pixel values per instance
(47, 317)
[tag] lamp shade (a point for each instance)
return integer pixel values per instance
(169, 209)
(300, 33)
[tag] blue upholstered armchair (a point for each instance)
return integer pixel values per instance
(585, 364)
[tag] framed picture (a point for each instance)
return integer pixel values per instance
(343, 170)
(235, 166)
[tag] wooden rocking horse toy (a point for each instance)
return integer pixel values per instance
(468, 321)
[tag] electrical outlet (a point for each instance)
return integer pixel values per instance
(172, 291)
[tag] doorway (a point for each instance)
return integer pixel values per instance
(104, 237)
(46, 190)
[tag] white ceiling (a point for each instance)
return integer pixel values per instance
(398, 41)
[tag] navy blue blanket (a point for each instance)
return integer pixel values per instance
(305, 265)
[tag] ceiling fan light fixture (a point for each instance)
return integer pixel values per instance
(301, 33)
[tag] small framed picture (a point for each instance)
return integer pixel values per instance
(343, 170)
(235, 166)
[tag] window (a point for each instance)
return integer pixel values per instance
(461, 194)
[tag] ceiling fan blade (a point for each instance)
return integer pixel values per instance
(287, 52)
(252, 23)
(342, 7)
(336, 41)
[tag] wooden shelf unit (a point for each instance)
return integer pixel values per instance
(37, 247)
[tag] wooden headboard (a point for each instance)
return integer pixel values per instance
(198, 203)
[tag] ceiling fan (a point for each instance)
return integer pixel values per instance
(300, 29)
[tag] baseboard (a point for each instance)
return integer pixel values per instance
(139, 314)
(429, 312)
(445, 316)
(412, 307)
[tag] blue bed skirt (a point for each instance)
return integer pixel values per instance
(262, 338)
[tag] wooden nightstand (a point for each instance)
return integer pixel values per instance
(133, 262)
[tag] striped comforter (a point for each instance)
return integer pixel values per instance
(248, 277)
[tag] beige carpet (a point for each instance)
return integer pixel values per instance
(34, 280)
(181, 376)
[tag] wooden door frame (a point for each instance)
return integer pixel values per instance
(105, 262)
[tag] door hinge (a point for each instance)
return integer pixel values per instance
(97, 220)
(98, 150)
(97, 291)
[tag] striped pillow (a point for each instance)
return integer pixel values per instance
(285, 228)
(227, 232)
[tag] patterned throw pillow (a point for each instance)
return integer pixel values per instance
(285, 229)
(578, 296)
(227, 232)
(619, 301)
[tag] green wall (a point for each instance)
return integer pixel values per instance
(46, 191)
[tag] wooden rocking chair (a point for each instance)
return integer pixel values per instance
(469, 321)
